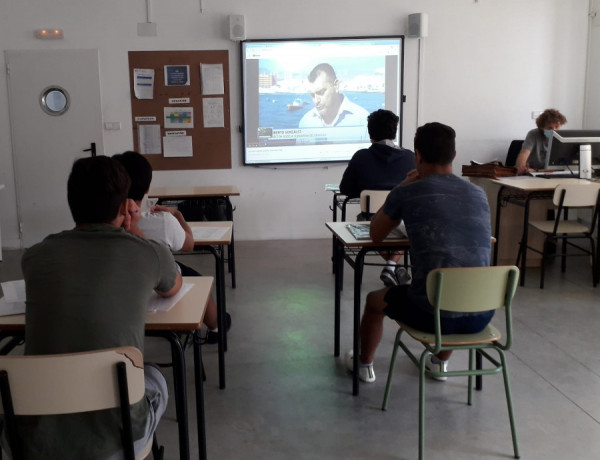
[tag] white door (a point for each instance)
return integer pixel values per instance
(55, 114)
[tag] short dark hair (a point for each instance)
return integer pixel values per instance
(96, 188)
(436, 143)
(139, 170)
(322, 68)
(382, 124)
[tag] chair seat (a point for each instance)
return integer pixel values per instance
(565, 226)
(488, 335)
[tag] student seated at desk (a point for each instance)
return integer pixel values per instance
(448, 225)
(167, 226)
(88, 289)
(380, 167)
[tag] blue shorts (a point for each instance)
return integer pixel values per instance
(402, 307)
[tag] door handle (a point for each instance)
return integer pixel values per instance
(92, 149)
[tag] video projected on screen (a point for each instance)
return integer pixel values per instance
(308, 100)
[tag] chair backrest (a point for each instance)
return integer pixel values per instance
(472, 289)
(372, 200)
(513, 152)
(577, 195)
(71, 383)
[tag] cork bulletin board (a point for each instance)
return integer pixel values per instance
(205, 114)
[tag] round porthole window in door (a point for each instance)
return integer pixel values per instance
(55, 100)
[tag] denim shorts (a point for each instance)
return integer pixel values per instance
(402, 306)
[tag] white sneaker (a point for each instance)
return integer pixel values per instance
(365, 371)
(432, 363)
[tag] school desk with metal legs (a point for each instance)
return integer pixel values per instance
(199, 193)
(185, 316)
(213, 237)
(353, 251)
(521, 191)
(340, 202)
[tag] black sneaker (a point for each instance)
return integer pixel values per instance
(388, 277)
(212, 337)
(402, 275)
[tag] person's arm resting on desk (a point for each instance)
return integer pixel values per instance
(521, 163)
(169, 278)
(175, 289)
(381, 226)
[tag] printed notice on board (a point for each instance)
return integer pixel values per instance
(143, 83)
(177, 75)
(212, 79)
(179, 117)
(149, 139)
(212, 109)
(178, 146)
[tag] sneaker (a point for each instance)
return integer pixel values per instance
(388, 276)
(402, 275)
(212, 337)
(365, 371)
(432, 363)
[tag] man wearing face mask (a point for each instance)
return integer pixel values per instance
(535, 146)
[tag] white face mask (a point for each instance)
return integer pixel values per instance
(548, 133)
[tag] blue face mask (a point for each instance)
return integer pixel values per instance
(548, 133)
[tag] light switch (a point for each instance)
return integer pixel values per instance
(112, 125)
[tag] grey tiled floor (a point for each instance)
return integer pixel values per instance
(287, 397)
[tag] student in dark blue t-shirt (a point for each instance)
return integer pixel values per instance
(448, 224)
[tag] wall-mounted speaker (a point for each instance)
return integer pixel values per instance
(237, 27)
(418, 25)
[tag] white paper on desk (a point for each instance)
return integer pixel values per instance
(212, 79)
(209, 233)
(14, 291)
(13, 302)
(158, 303)
(11, 308)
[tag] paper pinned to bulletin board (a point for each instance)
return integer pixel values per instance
(185, 124)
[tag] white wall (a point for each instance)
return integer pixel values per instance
(487, 65)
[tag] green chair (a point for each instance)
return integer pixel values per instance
(471, 289)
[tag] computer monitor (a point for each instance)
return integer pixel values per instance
(563, 149)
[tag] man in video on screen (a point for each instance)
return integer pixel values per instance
(332, 108)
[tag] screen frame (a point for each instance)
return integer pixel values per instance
(400, 90)
(565, 143)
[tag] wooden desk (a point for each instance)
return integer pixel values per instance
(200, 192)
(522, 191)
(344, 241)
(209, 245)
(186, 315)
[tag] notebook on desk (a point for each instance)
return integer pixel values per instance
(361, 232)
